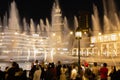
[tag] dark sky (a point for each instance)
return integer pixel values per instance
(37, 9)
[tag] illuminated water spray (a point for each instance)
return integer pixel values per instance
(32, 41)
(106, 32)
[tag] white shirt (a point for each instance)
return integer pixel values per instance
(73, 74)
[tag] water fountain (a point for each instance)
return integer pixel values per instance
(106, 36)
(51, 41)
(44, 41)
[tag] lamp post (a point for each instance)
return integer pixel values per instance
(78, 35)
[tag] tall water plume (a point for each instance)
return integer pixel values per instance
(38, 29)
(5, 22)
(32, 27)
(42, 27)
(110, 18)
(13, 26)
(25, 27)
(56, 22)
(75, 22)
(14, 18)
(67, 34)
(95, 20)
(1, 27)
(48, 27)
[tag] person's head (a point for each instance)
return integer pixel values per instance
(95, 63)
(36, 61)
(64, 66)
(114, 68)
(14, 64)
(59, 62)
(52, 65)
(104, 64)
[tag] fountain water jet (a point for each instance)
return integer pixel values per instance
(107, 42)
(35, 41)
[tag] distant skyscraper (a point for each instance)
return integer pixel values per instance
(83, 21)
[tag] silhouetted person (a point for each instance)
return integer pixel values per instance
(58, 68)
(1, 74)
(50, 74)
(11, 71)
(33, 69)
(95, 70)
(104, 72)
(113, 73)
(117, 75)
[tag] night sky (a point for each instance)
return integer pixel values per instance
(38, 9)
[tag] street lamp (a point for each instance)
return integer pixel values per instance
(78, 35)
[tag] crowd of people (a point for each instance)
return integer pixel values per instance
(59, 71)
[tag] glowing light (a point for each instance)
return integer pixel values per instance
(35, 35)
(65, 49)
(16, 33)
(93, 40)
(78, 34)
(58, 49)
(71, 32)
(85, 32)
(41, 39)
(54, 34)
(92, 45)
(2, 33)
(99, 33)
(12, 40)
